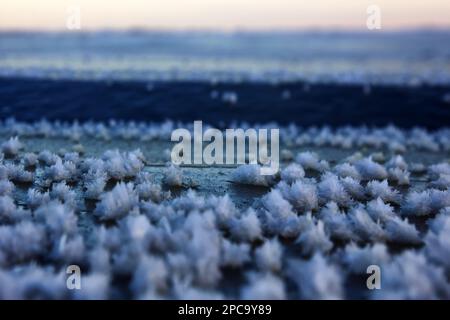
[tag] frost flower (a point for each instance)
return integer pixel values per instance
(12, 146)
(118, 202)
(250, 174)
(316, 278)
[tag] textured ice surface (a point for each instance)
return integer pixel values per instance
(141, 229)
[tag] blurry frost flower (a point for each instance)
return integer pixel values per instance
(268, 256)
(250, 174)
(316, 278)
(263, 286)
(12, 146)
(117, 203)
(368, 169)
(173, 176)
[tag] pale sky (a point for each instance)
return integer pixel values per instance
(222, 14)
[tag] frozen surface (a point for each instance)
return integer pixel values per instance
(382, 57)
(103, 197)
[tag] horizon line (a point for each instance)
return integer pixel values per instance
(137, 29)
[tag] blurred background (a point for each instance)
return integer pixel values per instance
(232, 50)
(223, 14)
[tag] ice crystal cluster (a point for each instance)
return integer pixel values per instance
(390, 137)
(311, 233)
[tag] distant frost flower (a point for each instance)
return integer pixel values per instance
(143, 177)
(357, 259)
(230, 97)
(35, 198)
(443, 182)
(136, 226)
(439, 199)
(396, 147)
(70, 249)
(47, 157)
(438, 169)
(7, 207)
(354, 189)
(60, 171)
(21, 242)
(179, 265)
(316, 278)
(364, 226)
(58, 218)
(12, 146)
(425, 202)
(314, 239)
(401, 231)
(336, 223)
(382, 190)
(189, 202)
(279, 217)
(73, 157)
(250, 174)
(95, 184)
(223, 208)
(234, 255)
(331, 189)
(411, 276)
(6, 187)
(292, 173)
(61, 191)
(183, 289)
(368, 169)
(173, 176)
(122, 165)
(345, 170)
(399, 175)
(441, 221)
(420, 139)
(310, 161)
(301, 194)
(92, 166)
(379, 210)
(437, 241)
(117, 203)
(277, 205)
(263, 286)
(151, 273)
(247, 227)
(151, 191)
(33, 282)
(397, 162)
(268, 256)
(29, 159)
(96, 286)
(417, 203)
(4, 172)
(18, 173)
(204, 249)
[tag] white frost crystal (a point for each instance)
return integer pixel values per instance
(312, 226)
